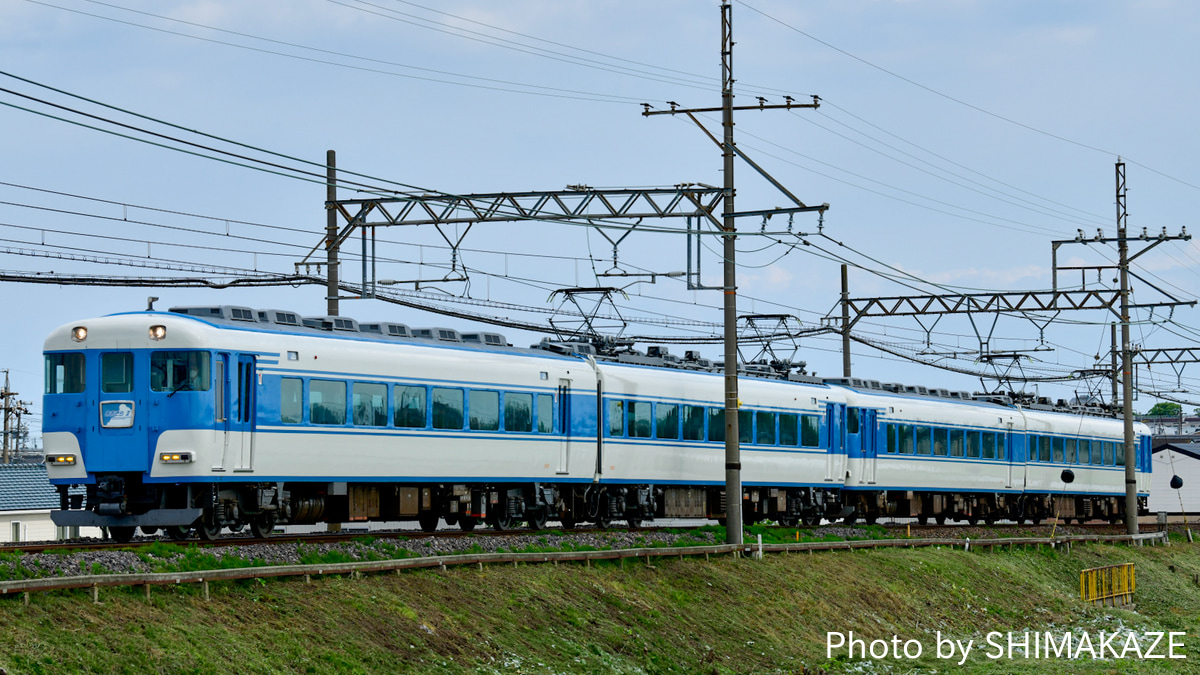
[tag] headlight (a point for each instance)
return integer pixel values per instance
(158, 332)
(175, 458)
(79, 333)
(60, 460)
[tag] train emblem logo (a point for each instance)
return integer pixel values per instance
(116, 414)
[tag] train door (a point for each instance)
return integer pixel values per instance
(836, 414)
(1010, 447)
(564, 425)
(866, 423)
(242, 422)
(222, 389)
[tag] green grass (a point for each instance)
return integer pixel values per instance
(728, 615)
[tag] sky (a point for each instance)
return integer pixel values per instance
(955, 140)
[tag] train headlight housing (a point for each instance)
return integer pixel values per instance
(79, 333)
(60, 460)
(175, 458)
(158, 332)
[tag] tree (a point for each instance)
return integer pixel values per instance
(1165, 409)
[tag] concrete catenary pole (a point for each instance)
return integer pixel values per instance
(733, 461)
(1131, 497)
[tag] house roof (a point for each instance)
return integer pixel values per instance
(25, 486)
(1189, 449)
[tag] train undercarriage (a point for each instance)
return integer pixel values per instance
(122, 504)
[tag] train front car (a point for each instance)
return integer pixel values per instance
(118, 388)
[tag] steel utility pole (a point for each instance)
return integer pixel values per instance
(733, 462)
(845, 322)
(331, 235)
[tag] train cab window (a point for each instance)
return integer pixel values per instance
(924, 441)
(957, 443)
(765, 425)
(692, 417)
(484, 410)
(545, 412)
(973, 443)
(181, 371)
(447, 408)
(810, 431)
(716, 425)
(904, 437)
(326, 402)
(616, 418)
(745, 426)
(789, 429)
(892, 439)
(989, 444)
(666, 420)
(518, 412)
(64, 373)
(410, 407)
(370, 404)
(941, 442)
(116, 372)
(637, 418)
(852, 420)
(291, 400)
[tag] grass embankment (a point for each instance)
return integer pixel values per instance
(677, 616)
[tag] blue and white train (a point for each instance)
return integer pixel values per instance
(206, 418)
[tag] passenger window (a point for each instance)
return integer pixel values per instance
(1085, 452)
(291, 400)
(410, 407)
(370, 404)
(1070, 446)
(923, 441)
(666, 420)
(716, 424)
(989, 445)
(1047, 451)
(116, 373)
(545, 403)
(957, 444)
(637, 419)
(904, 435)
(1033, 442)
(1057, 444)
(765, 424)
(693, 422)
(616, 418)
(485, 410)
(940, 443)
(745, 426)
(810, 431)
(447, 408)
(1000, 445)
(518, 412)
(326, 402)
(1108, 453)
(64, 373)
(973, 444)
(789, 429)
(1119, 454)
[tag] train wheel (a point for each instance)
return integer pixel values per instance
(149, 531)
(122, 534)
(972, 520)
(536, 518)
(467, 523)
(428, 521)
(261, 526)
(871, 518)
(850, 519)
(812, 520)
(502, 521)
(207, 532)
(177, 532)
(788, 521)
(635, 523)
(922, 520)
(940, 520)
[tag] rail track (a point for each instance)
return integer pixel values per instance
(909, 529)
